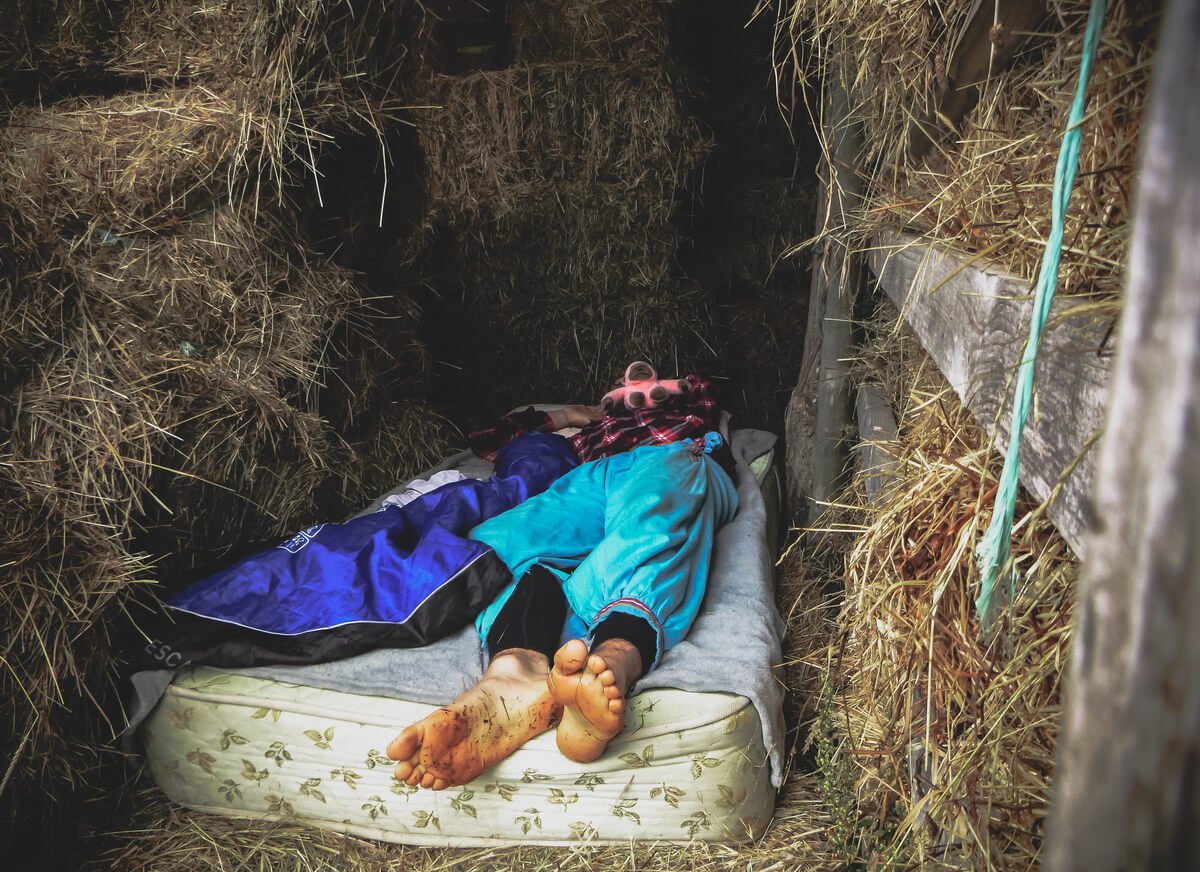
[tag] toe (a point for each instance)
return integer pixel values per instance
(616, 706)
(405, 745)
(570, 657)
(607, 678)
(403, 771)
(440, 784)
(428, 779)
(596, 664)
(612, 692)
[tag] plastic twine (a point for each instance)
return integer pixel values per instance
(992, 554)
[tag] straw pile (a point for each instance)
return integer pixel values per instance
(552, 191)
(165, 838)
(986, 185)
(183, 375)
(939, 746)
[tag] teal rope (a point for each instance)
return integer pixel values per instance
(993, 552)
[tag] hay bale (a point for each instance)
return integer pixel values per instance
(300, 72)
(250, 333)
(121, 433)
(116, 205)
(66, 578)
(398, 443)
(946, 739)
(741, 249)
(302, 56)
(577, 250)
(130, 163)
(556, 133)
(633, 34)
(986, 186)
(125, 199)
(213, 41)
(225, 285)
(191, 350)
(245, 468)
(104, 168)
(557, 226)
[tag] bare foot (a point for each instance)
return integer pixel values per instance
(591, 689)
(509, 706)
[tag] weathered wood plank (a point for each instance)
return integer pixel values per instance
(1127, 785)
(974, 322)
(877, 440)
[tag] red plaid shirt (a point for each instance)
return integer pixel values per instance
(693, 414)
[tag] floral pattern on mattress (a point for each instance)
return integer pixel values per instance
(249, 747)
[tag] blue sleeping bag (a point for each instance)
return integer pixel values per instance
(400, 577)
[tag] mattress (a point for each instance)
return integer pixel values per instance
(689, 766)
(693, 763)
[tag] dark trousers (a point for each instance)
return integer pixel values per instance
(534, 615)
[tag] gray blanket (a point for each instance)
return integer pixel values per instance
(734, 646)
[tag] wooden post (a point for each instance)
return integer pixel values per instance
(1127, 787)
(818, 414)
(877, 440)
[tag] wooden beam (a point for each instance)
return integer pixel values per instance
(817, 420)
(974, 321)
(1127, 785)
(800, 417)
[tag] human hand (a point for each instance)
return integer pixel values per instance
(581, 416)
(575, 416)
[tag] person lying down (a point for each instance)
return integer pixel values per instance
(404, 575)
(615, 554)
(603, 537)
